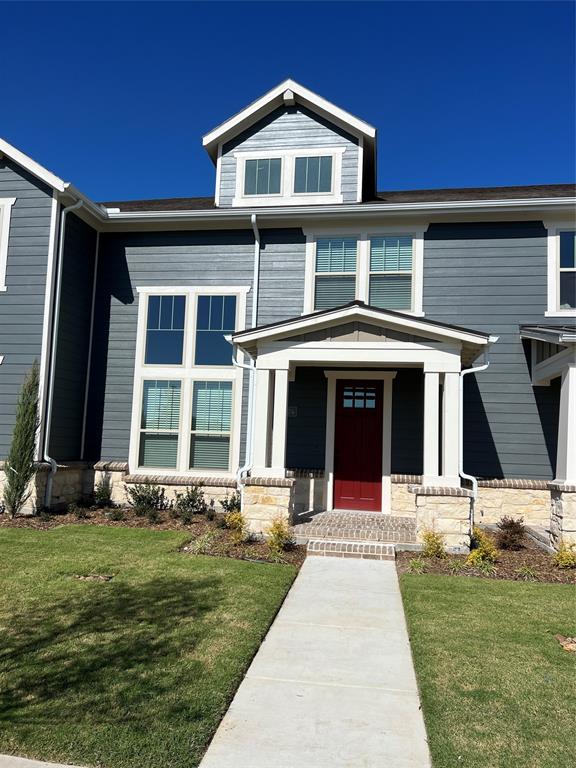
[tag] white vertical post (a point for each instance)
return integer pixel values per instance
(261, 419)
(330, 433)
(566, 455)
(387, 442)
(450, 430)
(279, 423)
(431, 423)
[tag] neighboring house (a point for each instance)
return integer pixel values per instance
(352, 314)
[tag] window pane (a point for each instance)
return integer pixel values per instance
(325, 183)
(212, 406)
(262, 171)
(391, 291)
(567, 290)
(161, 405)
(313, 174)
(250, 177)
(300, 174)
(209, 452)
(334, 291)
(336, 255)
(275, 169)
(216, 317)
(567, 250)
(391, 254)
(158, 450)
(165, 330)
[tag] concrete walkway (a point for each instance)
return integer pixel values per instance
(333, 684)
(8, 761)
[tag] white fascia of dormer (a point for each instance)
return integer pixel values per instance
(287, 195)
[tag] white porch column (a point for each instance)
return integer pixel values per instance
(566, 456)
(279, 422)
(450, 429)
(431, 424)
(261, 421)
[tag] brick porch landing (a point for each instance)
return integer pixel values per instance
(355, 534)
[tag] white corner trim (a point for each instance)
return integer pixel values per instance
(6, 204)
(287, 196)
(387, 378)
(360, 170)
(218, 176)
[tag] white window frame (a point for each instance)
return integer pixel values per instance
(553, 291)
(187, 373)
(363, 263)
(287, 195)
(6, 204)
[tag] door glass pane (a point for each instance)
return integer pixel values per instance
(165, 330)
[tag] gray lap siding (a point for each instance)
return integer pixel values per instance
(215, 258)
(22, 304)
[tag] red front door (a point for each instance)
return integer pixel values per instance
(358, 446)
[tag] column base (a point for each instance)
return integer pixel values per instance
(444, 510)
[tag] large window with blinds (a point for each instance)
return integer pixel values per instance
(187, 391)
(211, 425)
(335, 272)
(390, 282)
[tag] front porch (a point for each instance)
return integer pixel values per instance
(358, 357)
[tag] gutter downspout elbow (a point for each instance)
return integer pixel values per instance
(52, 362)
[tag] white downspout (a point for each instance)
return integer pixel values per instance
(473, 480)
(52, 362)
(251, 367)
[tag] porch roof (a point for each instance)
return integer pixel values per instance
(473, 342)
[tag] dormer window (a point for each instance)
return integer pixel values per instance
(289, 177)
(262, 176)
(313, 175)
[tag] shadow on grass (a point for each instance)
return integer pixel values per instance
(111, 651)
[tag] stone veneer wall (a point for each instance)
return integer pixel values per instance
(72, 482)
(562, 515)
(445, 511)
(529, 499)
(267, 499)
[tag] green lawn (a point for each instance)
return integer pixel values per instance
(132, 672)
(497, 689)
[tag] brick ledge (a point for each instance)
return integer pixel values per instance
(271, 482)
(183, 480)
(435, 490)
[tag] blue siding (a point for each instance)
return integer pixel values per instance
(22, 304)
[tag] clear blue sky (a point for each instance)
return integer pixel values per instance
(115, 97)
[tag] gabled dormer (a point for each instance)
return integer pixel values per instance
(292, 147)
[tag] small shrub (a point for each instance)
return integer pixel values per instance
(487, 568)
(44, 514)
(146, 498)
(511, 533)
(188, 504)
(433, 544)
(231, 503)
(153, 515)
(525, 573)
(210, 512)
(236, 523)
(483, 549)
(280, 537)
(456, 566)
(79, 512)
(203, 544)
(116, 514)
(417, 565)
(565, 557)
(103, 492)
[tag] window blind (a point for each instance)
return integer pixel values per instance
(211, 423)
(391, 291)
(160, 421)
(391, 254)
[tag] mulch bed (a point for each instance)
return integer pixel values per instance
(215, 540)
(528, 564)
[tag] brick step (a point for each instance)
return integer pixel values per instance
(367, 550)
(391, 535)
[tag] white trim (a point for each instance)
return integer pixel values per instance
(381, 317)
(275, 97)
(387, 377)
(431, 468)
(553, 366)
(360, 170)
(363, 262)
(218, 176)
(32, 166)
(47, 319)
(287, 196)
(553, 268)
(566, 453)
(6, 204)
(187, 373)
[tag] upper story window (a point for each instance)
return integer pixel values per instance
(313, 175)
(186, 389)
(262, 176)
(289, 177)
(561, 270)
(383, 270)
(335, 274)
(6, 204)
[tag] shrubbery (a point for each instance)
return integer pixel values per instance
(189, 503)
(483, 550)
(147, 500)
(565, 557)
(280, 537)
(511, 533)
(433, 544)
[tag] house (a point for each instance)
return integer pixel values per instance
(300, 335)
